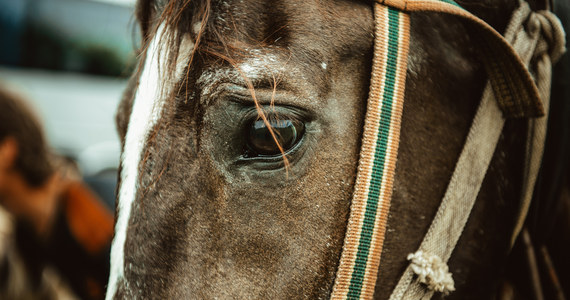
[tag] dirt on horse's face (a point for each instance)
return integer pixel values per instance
(207, 207)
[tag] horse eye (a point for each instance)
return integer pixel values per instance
(260, 141)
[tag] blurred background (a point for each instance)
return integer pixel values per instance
(70, 59)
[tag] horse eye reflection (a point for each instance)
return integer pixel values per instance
(260, 141)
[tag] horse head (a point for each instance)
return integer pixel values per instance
(210, 206)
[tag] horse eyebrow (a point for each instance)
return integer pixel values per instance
(227, 87)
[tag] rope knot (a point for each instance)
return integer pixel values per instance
(546, 27)
(432, 271)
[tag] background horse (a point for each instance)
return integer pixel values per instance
(54, 231)
(208, 208)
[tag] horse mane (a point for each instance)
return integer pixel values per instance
(177, 17)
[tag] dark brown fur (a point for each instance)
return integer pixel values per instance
(209, 224)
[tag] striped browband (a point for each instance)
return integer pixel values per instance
(515, 92)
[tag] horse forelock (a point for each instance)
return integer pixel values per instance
(166, 54)
(154, 89)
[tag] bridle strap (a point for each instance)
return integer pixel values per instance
(515, 91)
(360, 258)
(515, 94)
(473, 163)
(547, 46)
(429, 263)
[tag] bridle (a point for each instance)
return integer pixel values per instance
(510, 94)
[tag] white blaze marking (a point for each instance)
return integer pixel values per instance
(147, 106)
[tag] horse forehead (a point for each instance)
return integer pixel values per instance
(311, 25)
(295, 41)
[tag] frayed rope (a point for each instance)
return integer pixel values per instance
(432, 271)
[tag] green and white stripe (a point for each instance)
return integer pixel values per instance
(357, 271)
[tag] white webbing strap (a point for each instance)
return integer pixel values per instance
(428, 271)
(456, 205)
(547, 50)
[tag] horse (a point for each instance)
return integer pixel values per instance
(241, 131)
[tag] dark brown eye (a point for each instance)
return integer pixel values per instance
(261, 143)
